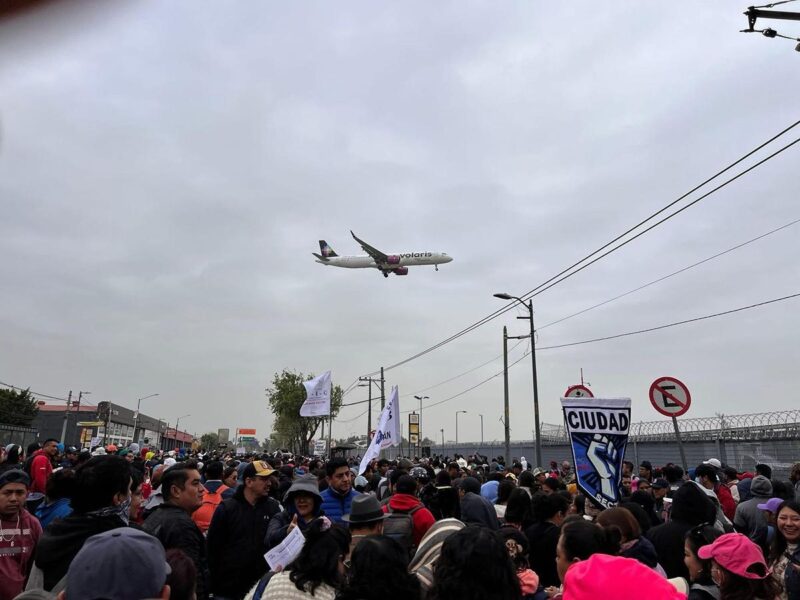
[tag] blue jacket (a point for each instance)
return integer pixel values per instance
(335, 506)
(46, 513)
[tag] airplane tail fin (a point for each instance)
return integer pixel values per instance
(326, 250)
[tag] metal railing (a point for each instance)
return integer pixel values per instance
(753, 426)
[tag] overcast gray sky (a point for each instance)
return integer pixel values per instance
(166, 169)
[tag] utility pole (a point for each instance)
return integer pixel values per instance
(442, 430)
(66, 417)
(481, 416)
(506, 424)
(537, 421)
(383, 395)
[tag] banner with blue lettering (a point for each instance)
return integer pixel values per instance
(598, 433)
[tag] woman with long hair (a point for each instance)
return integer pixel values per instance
(474, 565)
(317, 572)
(579, 540)
(739, 569)
(702, 587)
(633, 545)
(519, 513)
(785, 552)
(430, 549)
(379, 559)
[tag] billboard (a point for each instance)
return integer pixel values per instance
(249, 432)
(224, 435)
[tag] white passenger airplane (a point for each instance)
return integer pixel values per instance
(396, 263)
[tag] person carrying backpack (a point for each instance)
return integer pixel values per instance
(407, 518)
(215, 493)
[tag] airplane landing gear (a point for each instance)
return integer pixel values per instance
(386, 274)
(436, 267)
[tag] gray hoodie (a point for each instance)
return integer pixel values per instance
(749, 519)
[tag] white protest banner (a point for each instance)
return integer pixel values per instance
(598, 433)
(282, 555)
(386, 434)
(318, 396)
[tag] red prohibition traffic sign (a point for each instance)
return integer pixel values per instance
(670, 396)
(578, 391)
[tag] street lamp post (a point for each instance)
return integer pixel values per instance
(458, 412)
(537, 421)
(136, 416)
(442, 430)
(178, 422)
(481, 416)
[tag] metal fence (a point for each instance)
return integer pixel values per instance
(741, 441)
(14, 434)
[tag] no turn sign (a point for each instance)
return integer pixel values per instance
(670, 397)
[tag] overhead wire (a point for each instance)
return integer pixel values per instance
(612, 337)
(673, 274)
(566, 273)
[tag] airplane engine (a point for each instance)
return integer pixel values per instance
(401, 271)
(393, 259)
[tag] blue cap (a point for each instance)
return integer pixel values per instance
(124, 564)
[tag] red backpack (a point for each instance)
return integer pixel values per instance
(202, 516)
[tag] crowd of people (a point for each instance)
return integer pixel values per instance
(139, 523)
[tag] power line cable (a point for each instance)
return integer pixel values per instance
(668, 325)
(674, 273)
(611, 337)
(538, 288)
(533, 293)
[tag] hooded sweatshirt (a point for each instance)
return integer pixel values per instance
(749, 519)
(423, 519)
(41, 468)
(278, 527)
(690, 507)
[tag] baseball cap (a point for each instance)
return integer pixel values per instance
(124, 564)
(714, 462)
(604, 576)
(14, 476)
(71, 450)
(660, 484)
(736, 553)
(771, 505)
(539, 471)
(258, 468)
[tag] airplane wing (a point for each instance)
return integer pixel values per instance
(378, 256)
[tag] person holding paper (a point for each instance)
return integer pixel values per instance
(303, 504)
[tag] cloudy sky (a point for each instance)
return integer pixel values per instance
(166, 169)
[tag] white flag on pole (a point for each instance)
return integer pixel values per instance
(387, 434)
(318, 396)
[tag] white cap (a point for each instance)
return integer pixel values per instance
(714, 462)
(168, 462)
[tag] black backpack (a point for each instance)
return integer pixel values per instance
(399, 526)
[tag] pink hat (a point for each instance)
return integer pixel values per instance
(736, 553)
(604, 576)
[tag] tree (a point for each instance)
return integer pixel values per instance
(17, 408)
(209, 441)
(285, 398)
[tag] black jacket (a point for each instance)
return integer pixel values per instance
(543, 540)
(62, 539)
(690, 507)
(236, 543)
(174, 528)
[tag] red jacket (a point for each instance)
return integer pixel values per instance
(423, 518)
(726, 501)
(41, 468)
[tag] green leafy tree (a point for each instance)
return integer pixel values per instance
(17, 408)
(285, 398)
(209, 441)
